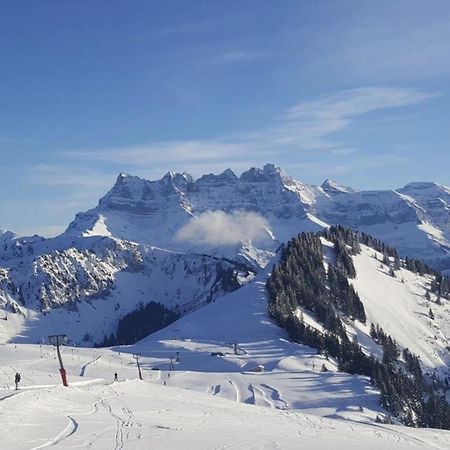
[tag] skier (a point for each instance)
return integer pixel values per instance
(17, 380)
(116, 378)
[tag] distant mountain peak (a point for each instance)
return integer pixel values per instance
(267, 174)
(420, 185)
(6, 235)
(228, 173)
(226, 177)
(334, 187)
(152, 211)
(176, 178)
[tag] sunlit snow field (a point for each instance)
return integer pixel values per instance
(206, 401)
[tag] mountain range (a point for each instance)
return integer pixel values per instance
(185, 242)
(415, 219)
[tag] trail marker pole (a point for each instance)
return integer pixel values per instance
(57, 340)
(136, 357)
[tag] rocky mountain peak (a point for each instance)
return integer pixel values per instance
(269, 173)
(332, 186)
(420, 186)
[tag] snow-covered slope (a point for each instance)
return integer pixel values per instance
(291, 378)
(400, 306)
(94, 412)
(206, 401)
(269, 393)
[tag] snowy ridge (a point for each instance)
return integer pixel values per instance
(87, 290)
(415, 219)
(333, 187)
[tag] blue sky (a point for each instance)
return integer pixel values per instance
(357, 91)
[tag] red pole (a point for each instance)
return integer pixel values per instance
(63, 376)
(62, 371)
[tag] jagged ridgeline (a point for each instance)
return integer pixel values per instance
(304, 280)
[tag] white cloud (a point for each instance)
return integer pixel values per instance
(308, 130)
(305, 127)
(354, 102)
(234, 57)
(217, 228)
(158, 152)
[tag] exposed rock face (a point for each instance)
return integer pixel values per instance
(415, 218)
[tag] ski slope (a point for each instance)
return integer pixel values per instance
(95, 412)
(291, 379)
(134, 415)
(224, 400)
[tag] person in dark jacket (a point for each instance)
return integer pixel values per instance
(17, 380)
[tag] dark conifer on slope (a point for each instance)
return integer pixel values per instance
(140, 323)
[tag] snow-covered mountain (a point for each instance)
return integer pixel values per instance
(415, 219)
(84, 286)
(185, 242)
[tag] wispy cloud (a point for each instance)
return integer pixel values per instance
(235, 57)
(364, 162)
(307, 128)
(355, 102)
(80, 187)
(157, 152)
(412, 48)
(309, 125)
(402, 41)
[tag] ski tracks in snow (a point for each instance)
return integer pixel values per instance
(214, 389)
(275, 396)
(260, 397)
(126, 425)
(236, 390)
(70, 429)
